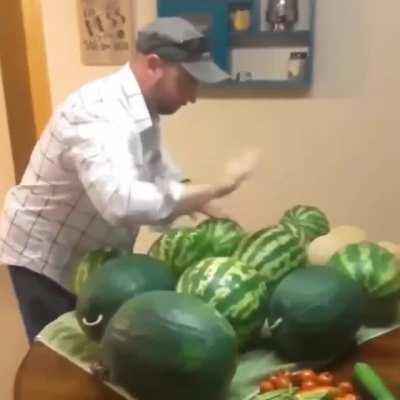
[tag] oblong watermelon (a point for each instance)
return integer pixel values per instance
(314, 314)
(314, 222)
(238, 292)
(223, 236)
(179, 248)
(166, 345)
(273, 251)
(118, 280)
(378, 271)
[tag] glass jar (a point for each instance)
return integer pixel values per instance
(297, 64)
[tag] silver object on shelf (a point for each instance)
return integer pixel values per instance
(282, 14)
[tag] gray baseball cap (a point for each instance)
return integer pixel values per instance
(177, 40)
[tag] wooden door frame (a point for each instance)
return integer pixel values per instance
(25, 76)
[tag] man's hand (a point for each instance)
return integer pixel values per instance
(237, 171)
(214, 209)
(196, 197)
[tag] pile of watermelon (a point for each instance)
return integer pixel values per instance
(174, 320)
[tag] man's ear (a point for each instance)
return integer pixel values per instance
(154, 66)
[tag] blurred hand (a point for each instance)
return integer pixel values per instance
(214, 209)
(237, 171)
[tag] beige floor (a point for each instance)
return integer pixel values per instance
(13, 344)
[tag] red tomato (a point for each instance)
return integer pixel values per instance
(308, 384)
(282, 382)
(287, 374)
(266, 386)
(308, 375)
(325, 379)
(273, 378)
(345, 388)
(350, 396)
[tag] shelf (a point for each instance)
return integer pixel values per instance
(240, 2)
(262, 53)
(256, 39)
(270, 84)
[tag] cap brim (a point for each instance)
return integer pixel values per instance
(205, 70)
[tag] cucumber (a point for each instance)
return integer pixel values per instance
(371, 382)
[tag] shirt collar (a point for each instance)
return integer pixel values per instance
(136, 102)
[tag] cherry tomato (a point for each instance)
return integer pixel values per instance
(282, 382)
(350, 396)
(308, 384)
(266, 386)
(296, 378)
(345, 388)
(273, 379)
(325, 379)
(287, 374)
(308, 375)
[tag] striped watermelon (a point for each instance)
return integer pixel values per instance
(179, 248)
(311, 219)
(296, 230)
(378, 272)
(90, 263)
(273, 251)
(374, 267)
(235, 290)
(223, 236)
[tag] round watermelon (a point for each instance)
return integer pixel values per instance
(222, 235)
(90, 263)
(314, 222)
(179, 248)
(314, 313)
(238, 292)
(378, 271)
(170, 345)
(273, 251)
(118, 280)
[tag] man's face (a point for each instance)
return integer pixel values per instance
(174, 89)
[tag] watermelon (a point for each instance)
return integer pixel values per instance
(314, 222)
(166, 345)
(296, 230)
(273, 251)
(179, 248)
(222, 235)
(314, 313)
(378, 271)
(118, 280)
(238, 292)
(90, 263)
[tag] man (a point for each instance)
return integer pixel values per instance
(98, 171)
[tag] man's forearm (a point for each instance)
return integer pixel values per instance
(194, 197)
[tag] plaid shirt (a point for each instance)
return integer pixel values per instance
(96, 174)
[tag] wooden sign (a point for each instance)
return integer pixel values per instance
(106, 31)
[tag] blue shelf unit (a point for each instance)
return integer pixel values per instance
(215, 17)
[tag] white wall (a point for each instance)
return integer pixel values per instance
(336, 148)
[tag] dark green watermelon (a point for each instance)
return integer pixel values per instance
(166, 345)
(314, 314)
(118, 280)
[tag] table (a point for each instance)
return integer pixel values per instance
(44, 375)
